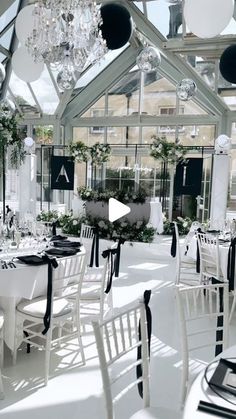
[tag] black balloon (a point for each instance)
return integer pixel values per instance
(117, 25)
(228, 64)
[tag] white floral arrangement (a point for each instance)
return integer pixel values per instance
(171, 152)
(79, 151)
(100, 153)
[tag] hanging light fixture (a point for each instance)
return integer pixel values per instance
(66, 35)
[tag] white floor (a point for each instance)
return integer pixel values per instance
(75, 391)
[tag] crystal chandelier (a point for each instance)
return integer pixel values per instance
(66, 35)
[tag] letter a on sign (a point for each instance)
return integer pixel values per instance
(62, 173)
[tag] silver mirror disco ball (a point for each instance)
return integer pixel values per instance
(186, 89)
(149, 59)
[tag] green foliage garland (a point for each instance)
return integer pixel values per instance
(87, 194)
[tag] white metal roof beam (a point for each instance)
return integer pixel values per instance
(4, 5)
(145, 120)
(96, 88)
(176, 62)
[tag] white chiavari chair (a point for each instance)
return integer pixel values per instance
(65, 308)
(115, 338)
(203, 314)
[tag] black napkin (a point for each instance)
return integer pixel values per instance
(231, 264)
(57, 237)
(31, 260)
(213, 231)
(67, 243)
(52, 263)
(139, 371)
(173, 244)
(63, 251)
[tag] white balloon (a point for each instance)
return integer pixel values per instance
(28, 141)
(223, 141)
(24, 66)
(24, 23)
(208, 18)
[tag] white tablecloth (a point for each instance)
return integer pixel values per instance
(200, 391)
(223, 252)
(25, 281)
(156, 217)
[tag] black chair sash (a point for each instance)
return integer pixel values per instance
(117, 257)
(52, 263)
(139, 372)
(173, 243)
(198, 253)
(54, 228)
(231, 264)
(109, 254)
(95, 248)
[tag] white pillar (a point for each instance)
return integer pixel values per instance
(27, 182)
(219, 192)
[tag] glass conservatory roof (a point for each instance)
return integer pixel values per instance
(152, 22)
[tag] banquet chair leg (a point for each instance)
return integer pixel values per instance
(1, 387)
(233, 307)
(59, 335)
(47, 355)
(79, 326)
(1, 350)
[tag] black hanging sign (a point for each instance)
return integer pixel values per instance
(188, 177)
(62, 173)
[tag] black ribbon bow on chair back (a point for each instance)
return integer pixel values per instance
(52, 263)
(173, 243)
(54, 228)
(95, 248)
(139, 372)
(109, 254)
(231, 264)
(198, 252)
(117, 258)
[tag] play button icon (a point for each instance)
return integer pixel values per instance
(116, 210)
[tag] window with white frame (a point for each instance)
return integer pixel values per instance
(99, 113)
(169, 111)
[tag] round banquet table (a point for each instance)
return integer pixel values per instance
(24, 281)
(201, 391)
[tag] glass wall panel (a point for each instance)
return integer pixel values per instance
(120, 173)
(159, 14)
(195, 135)
(43, 134)
(123, 97)
(45, 92)
(90, 135)
(158, 93)
(96, 110)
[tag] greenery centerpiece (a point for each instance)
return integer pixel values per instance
(88, 194)
(130, 231)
